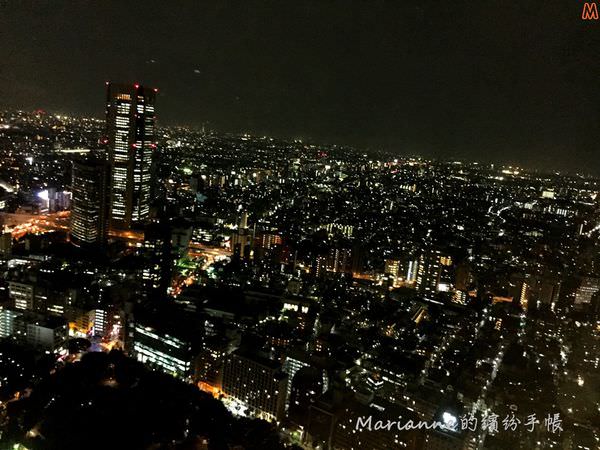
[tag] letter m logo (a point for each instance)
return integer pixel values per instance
(590, 11)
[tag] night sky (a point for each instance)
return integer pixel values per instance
(512, 81)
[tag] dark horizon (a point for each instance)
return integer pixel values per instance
(504, 83)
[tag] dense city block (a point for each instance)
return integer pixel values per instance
(166, 287)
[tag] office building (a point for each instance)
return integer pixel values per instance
(339, 260)
(39, 331)
(333, 417)
(210, 361)
(392, 267)
(90, 204)
(258, 384)
(157, 251)
(163, 351)
(428, 272)
(22, 295)
(412, 271)
(335, 228)
(267, 240)
(588, 287)
(7, 322)
(130, 122)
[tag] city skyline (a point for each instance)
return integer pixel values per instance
(444, 81)
(131, 140)
(500, 163)
(382, 232)
(316, 290)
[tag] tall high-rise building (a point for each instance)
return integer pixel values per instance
(90, 204)
(412, 271)
(339, 260)
(428, 272)
(157, 250)
(130, 122)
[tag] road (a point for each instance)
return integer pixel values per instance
(21, 224)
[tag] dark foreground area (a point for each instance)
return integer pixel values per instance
(109, 401)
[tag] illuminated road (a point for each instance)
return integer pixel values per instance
(128, 235)
(210, 254)
(21, 224)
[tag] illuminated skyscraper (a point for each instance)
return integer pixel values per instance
(90, 209)
(428, 272)
(130, 122)
(157, 250)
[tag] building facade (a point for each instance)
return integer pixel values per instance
(90, 204)
(163, 351)
(258, 384)
(130, 121)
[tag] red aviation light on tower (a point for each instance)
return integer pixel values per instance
(136, 85)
